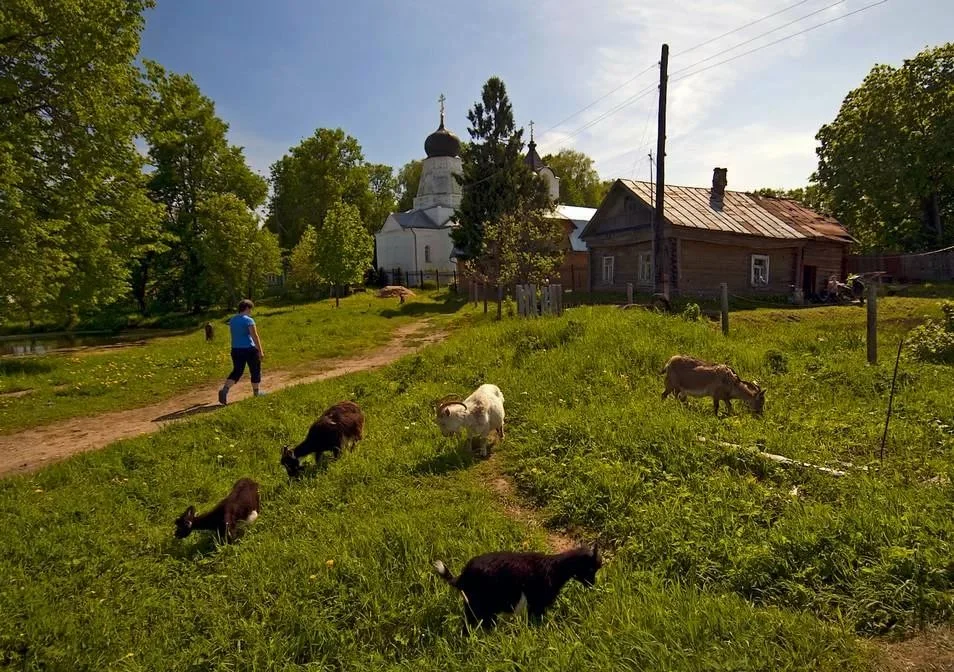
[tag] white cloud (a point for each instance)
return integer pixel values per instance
(697, 131)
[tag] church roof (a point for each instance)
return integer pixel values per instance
(580, 217)
(429, 218)
(442, 142)
(532, 159)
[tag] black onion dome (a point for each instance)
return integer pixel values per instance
(442, 143)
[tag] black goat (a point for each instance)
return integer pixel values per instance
(506, 581)
(339, 426)
(209, 332)
(241, 505)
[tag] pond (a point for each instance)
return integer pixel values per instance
(45, 344)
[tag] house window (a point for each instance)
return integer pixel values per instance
(645, 268)
(760, 270)
(608, 270)
(427, 254)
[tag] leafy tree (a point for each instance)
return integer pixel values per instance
(344, 248)
(320, 171)
(885, 161)
(303, 271)
(193, 166)
(580, 184)
(72, 207)
(408, 179)
(383, 185)
(238, 255)
(498, 188)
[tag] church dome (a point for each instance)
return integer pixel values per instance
(442, 142)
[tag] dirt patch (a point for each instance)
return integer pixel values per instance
(34, 448)
(506, 493)
(931, 651)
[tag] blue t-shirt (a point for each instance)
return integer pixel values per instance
(240, 328)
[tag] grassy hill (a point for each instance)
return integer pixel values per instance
(721, 559)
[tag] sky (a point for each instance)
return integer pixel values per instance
(278, 70)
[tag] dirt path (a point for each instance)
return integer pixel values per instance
(506, 493)
(31, 449)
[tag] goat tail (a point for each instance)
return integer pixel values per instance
(445, 573)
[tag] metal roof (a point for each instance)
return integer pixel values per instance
(424, 219)
(741, 213)
(580, 218)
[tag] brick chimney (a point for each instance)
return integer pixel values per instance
(719, 180)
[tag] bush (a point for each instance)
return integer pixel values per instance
(947, 307)
(932, 342)
(692, 312)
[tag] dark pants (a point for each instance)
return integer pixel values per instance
(241, 357)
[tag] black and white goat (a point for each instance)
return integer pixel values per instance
(241, 505)
(508, 582)
(340, 426)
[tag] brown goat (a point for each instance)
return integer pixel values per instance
(693, 377)
(340, 426)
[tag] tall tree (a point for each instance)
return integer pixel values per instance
(409, 179)
(193, 165)
(885, 161)
(344, 248)
(320, 171)
(580, 184)
(383, 185)
(497, 185)
(238, 255)
(72, 207)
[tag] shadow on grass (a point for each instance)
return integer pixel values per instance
(195, 409)
(449, 304)
(444, 462)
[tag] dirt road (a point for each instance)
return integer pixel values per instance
(34, 448)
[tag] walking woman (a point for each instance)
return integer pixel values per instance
(246, 349)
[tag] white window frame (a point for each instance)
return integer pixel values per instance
(752, 267)
(610, 276)
(427, 254)
(645, 268)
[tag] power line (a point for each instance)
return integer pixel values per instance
(692, 48)
(781, 39)
(743, 27)
(604, 96)
(759, 36)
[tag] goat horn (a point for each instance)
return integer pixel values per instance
(446, 399)
(451, 403)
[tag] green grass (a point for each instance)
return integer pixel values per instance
(717, 565)
(71, 384)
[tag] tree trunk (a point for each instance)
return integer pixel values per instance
(337, 299)
(499, 302)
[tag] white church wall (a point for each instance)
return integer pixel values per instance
(395, 249)
(437, 185)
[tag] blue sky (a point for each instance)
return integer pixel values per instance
(278, 70)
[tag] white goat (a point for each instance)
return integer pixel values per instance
(478, 415)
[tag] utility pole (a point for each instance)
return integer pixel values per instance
(660, 251)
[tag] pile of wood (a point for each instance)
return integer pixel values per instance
(394, 291)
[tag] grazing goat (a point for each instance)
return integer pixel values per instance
(209, 333)
(506, 582)
(241, 505)
(478, 415)
(340, 426)
(690, 376)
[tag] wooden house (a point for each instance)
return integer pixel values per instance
(757, 245)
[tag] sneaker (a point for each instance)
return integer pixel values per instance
(224, 396)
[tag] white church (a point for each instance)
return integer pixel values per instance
(420, 239)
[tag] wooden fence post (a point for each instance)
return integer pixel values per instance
(724, 288)
(629, 293)
(872, 290)
(407, 278)
(437, 278)
(557, 299)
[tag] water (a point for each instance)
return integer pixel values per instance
(45, 344)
